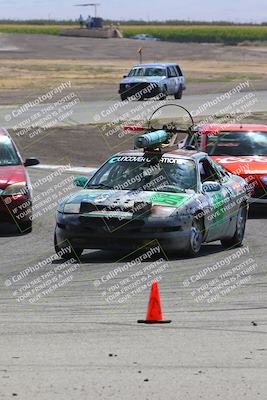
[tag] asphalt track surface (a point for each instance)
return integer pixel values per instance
(74, 344)
(107, 111)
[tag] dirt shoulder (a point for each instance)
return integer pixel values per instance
(46, 47)
(31, 64)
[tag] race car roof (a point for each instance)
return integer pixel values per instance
(208, 128)
(180, 153)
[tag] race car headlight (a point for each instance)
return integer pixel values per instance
(264, 180)
(19, 188)
(162, 211)
(72, 208)
(142, 207)
(60, 207)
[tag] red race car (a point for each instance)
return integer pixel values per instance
(15, 187)
(240, 148)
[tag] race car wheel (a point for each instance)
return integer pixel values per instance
(237, 239)
(179, 94)
(25, 227)
(68, 253)
(196, 237)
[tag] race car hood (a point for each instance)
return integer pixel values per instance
(244, 165)
(11, 174)
(125, 200)
(141, 79)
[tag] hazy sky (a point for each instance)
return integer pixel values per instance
(231, 10)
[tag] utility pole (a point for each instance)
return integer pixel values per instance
(140, 51)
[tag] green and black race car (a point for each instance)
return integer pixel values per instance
(181, 198)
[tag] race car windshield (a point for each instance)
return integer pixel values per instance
(245, 143)
(8, 154)
(148, 72)
(162, 174)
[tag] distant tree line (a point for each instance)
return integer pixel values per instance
(124, 22)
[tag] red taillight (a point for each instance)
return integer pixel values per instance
(134, 128)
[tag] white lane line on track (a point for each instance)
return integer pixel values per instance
(82, 170)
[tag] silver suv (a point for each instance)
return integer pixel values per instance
(150, 80)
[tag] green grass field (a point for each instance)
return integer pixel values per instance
(228, 34)
(38, 29)
(202, 33)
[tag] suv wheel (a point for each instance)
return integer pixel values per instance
(163, 94)
(179, 94)
(124, 96)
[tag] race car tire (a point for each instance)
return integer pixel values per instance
(178, 95)
(237, 239)
(73, 253)
(25, 227)
(196, 237)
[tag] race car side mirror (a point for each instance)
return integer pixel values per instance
(30, 162)
(81, 181)
(210, 186)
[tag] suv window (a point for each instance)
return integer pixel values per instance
(149, 71)
(179, 71)
(171, 72)
(174, 72)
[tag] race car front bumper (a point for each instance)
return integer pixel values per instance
(259, 196)
(142, 90)
(113, 234)
(254, 200)
(15, 209)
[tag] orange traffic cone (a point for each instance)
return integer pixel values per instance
(154, 312)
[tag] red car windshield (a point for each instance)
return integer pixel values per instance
(8, 154)
(234, 143)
